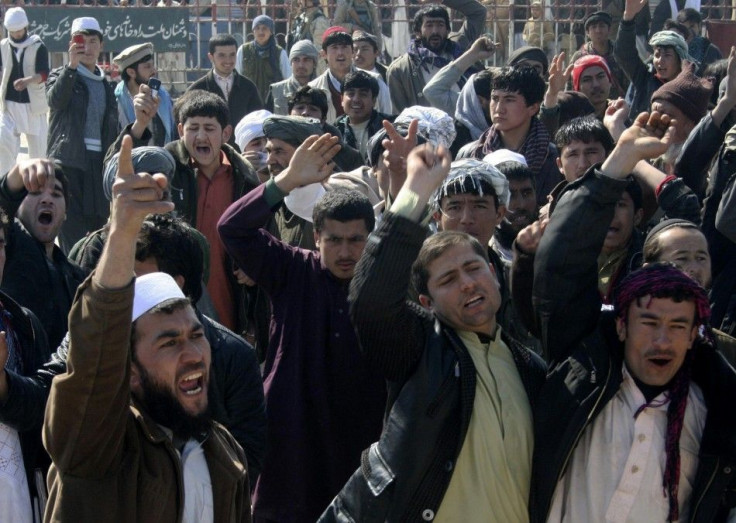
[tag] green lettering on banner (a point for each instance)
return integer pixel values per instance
(166, 28)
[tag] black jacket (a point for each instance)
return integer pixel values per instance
(705, 143)
(35, 351)
(243, 99)
(68, 99)
(29, 279)
(641, 75)
(431, 387)
(235, 393)
(587, 357)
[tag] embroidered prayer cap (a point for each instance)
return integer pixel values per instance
(674, 40)
(336, 34)
(435, 125)
(153, 289)
(263, 20)
(688, 92)
(504, 155)
(528, 52)
(590, 60)
(476, 176)
(598, 16)
(86, 25)
(15, 19)
(304, 48)
(146, 159)
(250, 127)
(132, 55)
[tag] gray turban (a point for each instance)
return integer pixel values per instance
(304, 48)
(145, 160)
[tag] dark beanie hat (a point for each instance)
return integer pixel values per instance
(598, 16)
(529, 53)
(689, 93)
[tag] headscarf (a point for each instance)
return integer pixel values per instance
(469, 112)
(469, 176)
(146, 159)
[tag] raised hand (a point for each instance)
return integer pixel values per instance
(527, 241)
(397, 147)
(632, 8)
(135, 195)
(649, 137)
(482, 48)
(615, 118)
(427, 168)
(32, 174)
(311, 163)
(559, 75)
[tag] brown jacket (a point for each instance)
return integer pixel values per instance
(110, 461)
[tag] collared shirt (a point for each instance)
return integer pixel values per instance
(225, 83)
(493, 470)
(616, 471)
(213, 197)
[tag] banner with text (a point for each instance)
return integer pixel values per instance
(166, 28)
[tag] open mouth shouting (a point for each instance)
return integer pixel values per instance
(45, 217)
(192, 384)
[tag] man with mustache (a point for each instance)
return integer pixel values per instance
(128, 426)
(324, 403)
(431, 49)
(304, 58)
(631, 424)
(592, 77)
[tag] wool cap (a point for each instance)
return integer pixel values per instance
(598, 16)
(15, 19)
(689, 93)
(674, 40)
(153, 289)
(132, 55)
(581, 64)
(304, 48)
(86, 24)
(528, 52)
(263, 20)
(336, 34)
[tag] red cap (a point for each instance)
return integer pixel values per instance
(581, 64)
(334, 29)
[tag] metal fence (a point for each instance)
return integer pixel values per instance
(204, 18)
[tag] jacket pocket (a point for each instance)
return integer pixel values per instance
(377, 473)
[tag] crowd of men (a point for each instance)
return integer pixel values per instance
(316, 287)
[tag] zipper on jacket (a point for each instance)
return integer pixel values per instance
(582, 429)
(707, 486)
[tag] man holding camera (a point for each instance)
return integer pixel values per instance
(83, 122)
(136, 68)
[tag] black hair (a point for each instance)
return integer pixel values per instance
(337, 38)
(309, 95)
(343, 205)
(586, 129)
(482, 83)
(434, 247)
(61, 176)
(204, 103)
(360, 80)
(221, 40)
(671, 25)
(176, 247)
(516, 172)
(124, 73)
(362, 36)
(429, 11)
(689, 15)
(634, 190)
(523, 80)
